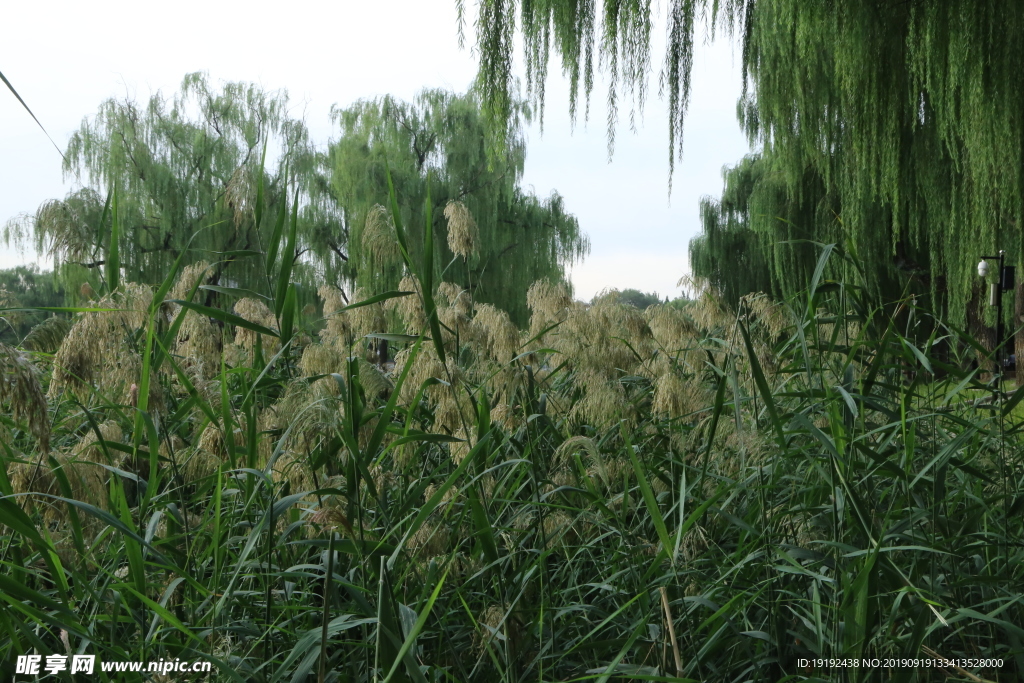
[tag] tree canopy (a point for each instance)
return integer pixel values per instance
(638, 299)
(590, 37)
(188, 172)
(25, 287)
(493, 238)
(895, 126)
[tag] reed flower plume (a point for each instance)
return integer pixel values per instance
(673, 330)
(455, 306)
(203, 459)
(21, 390)
(711, 313)
(582, 445)
(499, 332)
(462, 230)
(293, 466)
(199, 339)
(455, 297)
(255, 311)
(460, 449)
(595, 337)
(197, 273)
(500, 623)
(451, 404)
(603, 400)
(212, 449)
(240, 193)
(89, 447)
(373, 381)
(99, 347)
(548, 302)
(321, 359)
(774, 317)
(676, 397)
(338, 331)
(379, 239)
(304, 415)
(48, 335)
(365, 320)
(560, 530)
(410, 308)
(509, 416)
(82, 469)
(8, 300)
(424, 367)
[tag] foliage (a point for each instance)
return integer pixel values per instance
(681, 493)
(638, 299)
(26, 287)
(892, 129)
(610, 36)
(756, 237)
(188, 174)
(900, 115)
(178, 167)
(890, 125)
(495, 238)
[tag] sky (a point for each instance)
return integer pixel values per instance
(65, 58)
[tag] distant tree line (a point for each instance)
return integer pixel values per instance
(26, 287)
(187, 173)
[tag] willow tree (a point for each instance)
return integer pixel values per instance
(186, 173)
(730, 254)
(492, 237)
(909, 116)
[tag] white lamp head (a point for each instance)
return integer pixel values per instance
(982, 268)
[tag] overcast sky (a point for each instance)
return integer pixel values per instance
(65, 58)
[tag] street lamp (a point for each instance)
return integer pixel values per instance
(1007, 275)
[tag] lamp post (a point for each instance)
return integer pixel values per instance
(1006, 276)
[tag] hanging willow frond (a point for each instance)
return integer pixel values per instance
(68, 229)
(892, 129)
(609, 36)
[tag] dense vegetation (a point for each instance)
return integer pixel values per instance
(335, 415)
(638, 299)
(439, 144)
(892, 127)
(182, 169)
(26, 288)
(686, 492)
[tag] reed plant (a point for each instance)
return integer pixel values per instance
(410, 488)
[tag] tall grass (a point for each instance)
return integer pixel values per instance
(702, 494)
